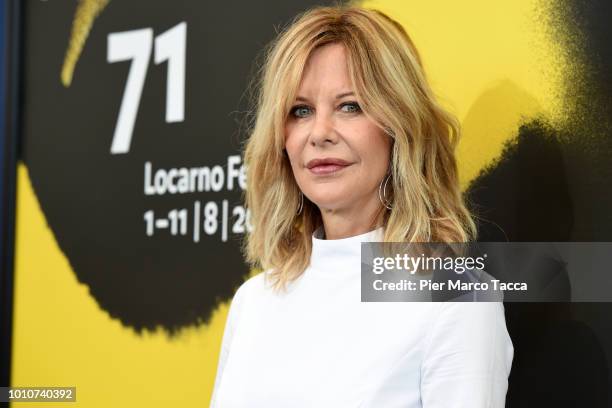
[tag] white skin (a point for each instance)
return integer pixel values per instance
(321, 125)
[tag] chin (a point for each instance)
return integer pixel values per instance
(328, 203)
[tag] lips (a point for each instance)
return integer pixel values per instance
(327, 165)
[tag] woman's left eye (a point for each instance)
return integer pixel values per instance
(350, 107)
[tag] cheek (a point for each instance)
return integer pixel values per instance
(290, 142)
(374, 146)
(381, 144)
(292, 137)
(293, 152)
(294, 147)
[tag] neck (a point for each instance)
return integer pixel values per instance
(338, 225)
(339, 257)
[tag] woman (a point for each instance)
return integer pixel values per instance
(349, 145)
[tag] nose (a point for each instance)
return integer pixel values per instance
(322, 130)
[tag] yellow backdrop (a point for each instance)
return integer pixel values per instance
(494, 64)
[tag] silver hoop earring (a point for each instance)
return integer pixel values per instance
(301, 203)
(382, 193)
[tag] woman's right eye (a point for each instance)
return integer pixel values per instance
(300, 111)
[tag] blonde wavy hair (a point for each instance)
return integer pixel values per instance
(391, 88)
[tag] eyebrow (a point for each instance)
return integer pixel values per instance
(340, 95)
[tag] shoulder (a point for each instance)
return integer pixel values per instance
(252, 286)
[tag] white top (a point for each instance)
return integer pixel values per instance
(319, 346)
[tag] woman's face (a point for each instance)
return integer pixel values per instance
(326, 122)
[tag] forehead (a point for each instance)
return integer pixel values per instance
(326, 65)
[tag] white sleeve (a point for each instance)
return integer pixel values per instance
(228, 334)
(468, 357)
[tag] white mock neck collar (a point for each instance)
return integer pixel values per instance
(332, 256)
